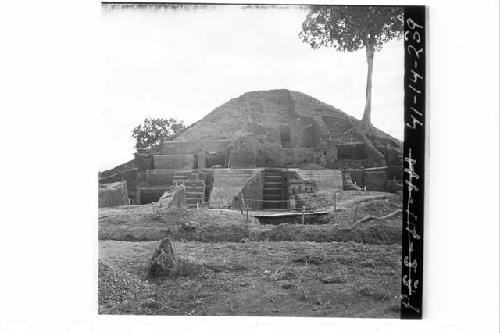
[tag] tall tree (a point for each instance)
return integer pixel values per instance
(153, 131)
(349, 29)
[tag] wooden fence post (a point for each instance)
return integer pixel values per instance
(242, 203)
(355, 212)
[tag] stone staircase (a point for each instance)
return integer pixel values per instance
(275, 190)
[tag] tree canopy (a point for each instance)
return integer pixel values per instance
(351, 28)
(153, 131)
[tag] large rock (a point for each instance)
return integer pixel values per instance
(174, 198)
(163, 262)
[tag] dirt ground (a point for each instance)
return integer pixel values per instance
(234, 267)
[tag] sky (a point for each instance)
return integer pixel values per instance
(183, 63)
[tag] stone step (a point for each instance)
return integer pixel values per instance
(273, 190)
(195, 189)
(273, 176)
(192, 183)
(273, 196)
(273, 183)
(195, 195)
(267, 175)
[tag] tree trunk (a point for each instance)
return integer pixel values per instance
(366, 121)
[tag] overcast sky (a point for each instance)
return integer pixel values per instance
(184, 63)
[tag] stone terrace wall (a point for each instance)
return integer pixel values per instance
(161, 177)
(114, 194)
(270, 155)
(325, 179)
(227, 184)
(376, 180)
(182, 161)
(129, 176)
(253, 193)
(301, 186)
(192, 147)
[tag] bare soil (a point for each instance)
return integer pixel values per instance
(231, 266)
(265, 278)
(148, 222)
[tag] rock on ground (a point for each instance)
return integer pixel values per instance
(163, 262)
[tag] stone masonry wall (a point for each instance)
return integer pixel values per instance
(184, 161)
(114, 194)
(253, 192)
(193, 147)
(301, 186)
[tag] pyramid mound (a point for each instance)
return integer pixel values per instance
(292, 119)
(262, 129)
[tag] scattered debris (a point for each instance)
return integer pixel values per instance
(116, 286)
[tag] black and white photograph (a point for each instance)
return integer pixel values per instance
(252, 160)
(251, 166)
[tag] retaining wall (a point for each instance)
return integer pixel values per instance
(253, 193)
(227, 184)
(114, 194)
(184, 162)
(325, 179)
(193, 147)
